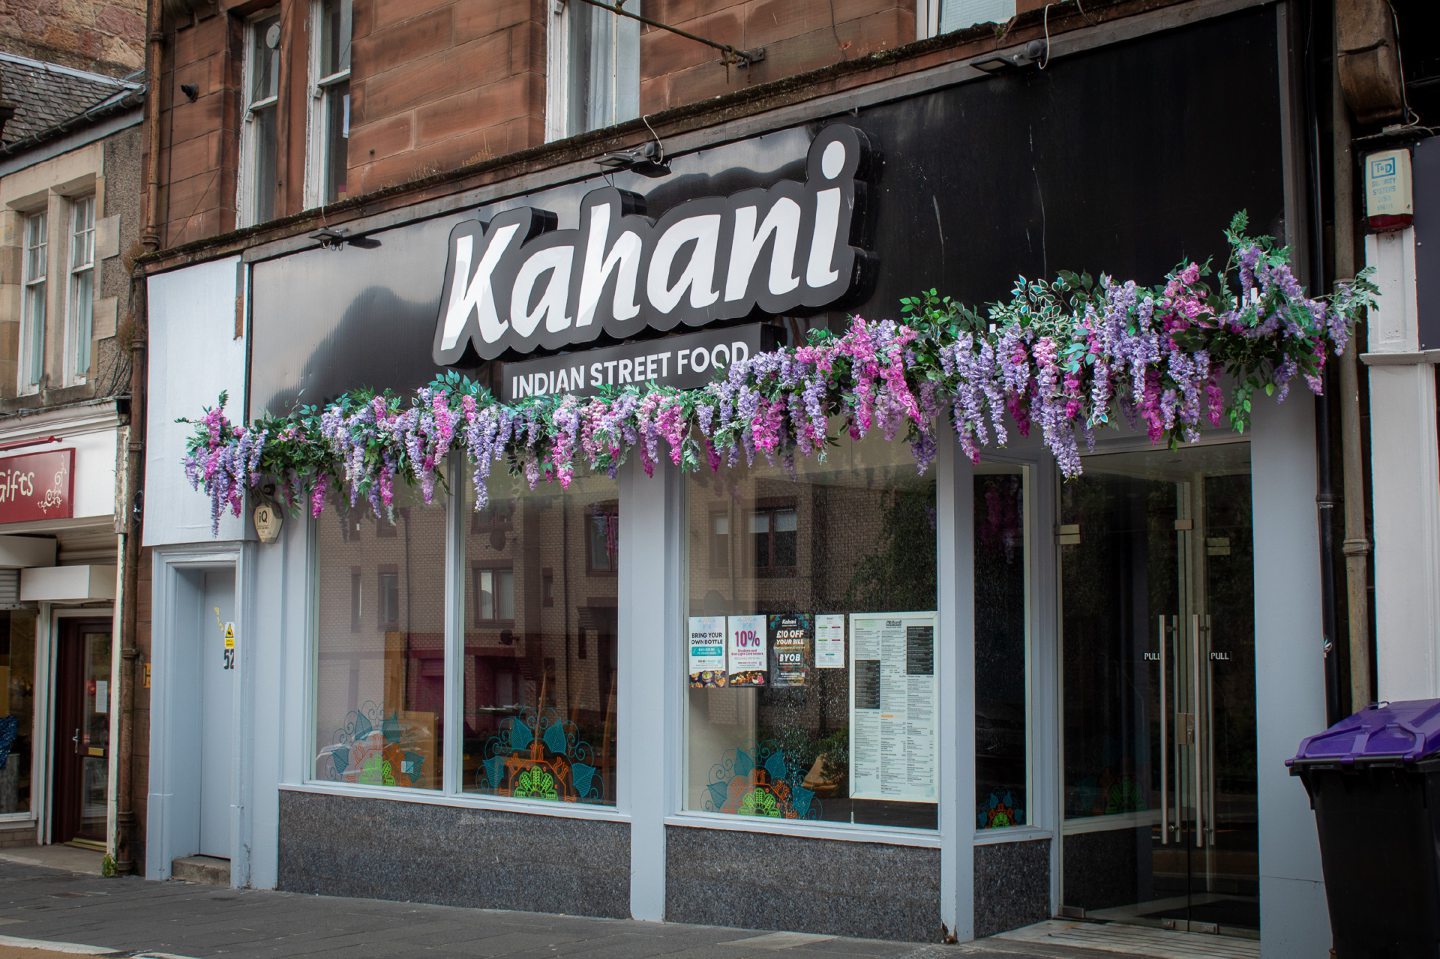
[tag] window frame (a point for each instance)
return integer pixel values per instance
(610, 509)
(79, 331)
(317, 153)
(624, 70)
(477, 570)
(1030, 498)
(722, 561)
(34, 292)
(247, 176)
(929, 12)
(390, 572)
(771, 507)
(451, 789)
(678, 814)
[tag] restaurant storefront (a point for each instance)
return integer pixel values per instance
(837, 695)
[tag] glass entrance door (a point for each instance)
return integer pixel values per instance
(1159, 690)
(82, 732)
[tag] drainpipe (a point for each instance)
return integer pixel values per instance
(131, 675)
(1352, 462)
(1325, 498)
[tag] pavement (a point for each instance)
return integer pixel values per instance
(50, 913)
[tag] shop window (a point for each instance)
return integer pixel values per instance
(494, 593)
(539, 697)
(380, 691)
(773, 534)
(259, 144)
(80, 296)
(602, 538)
(32, 317)
(1002, 701)
(330, 94)
(597, 53)
(17, 710)
(787, 674)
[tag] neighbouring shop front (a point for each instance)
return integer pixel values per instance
(840, 695)
(58, 560)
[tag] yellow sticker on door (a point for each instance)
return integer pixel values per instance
(228, 631)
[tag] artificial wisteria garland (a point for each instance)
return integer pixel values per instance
(1071, 354)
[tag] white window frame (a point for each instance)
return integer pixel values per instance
(927, 17)
(625, 75)
(317, 148)
(34, 291)
(247, 190)
(451, 791)
(79, 330)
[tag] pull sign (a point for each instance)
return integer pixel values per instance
(1068, 534)
(229, 646)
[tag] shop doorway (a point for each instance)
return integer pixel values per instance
(81, 732)
(217, 706)
(1158, 673)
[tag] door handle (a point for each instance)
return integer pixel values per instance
(76, 740)
(1209, 732)
(1164, 741)
(1199, 731)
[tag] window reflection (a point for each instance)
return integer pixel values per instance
(540, 647)
(380, 689)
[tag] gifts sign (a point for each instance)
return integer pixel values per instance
(36, 486)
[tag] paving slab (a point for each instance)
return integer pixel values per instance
(41, 907)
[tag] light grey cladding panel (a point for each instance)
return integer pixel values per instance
(1289, 671)
(194, 354)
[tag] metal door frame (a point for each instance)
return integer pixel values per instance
(1191, 500)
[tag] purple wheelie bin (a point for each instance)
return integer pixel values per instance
(1374, 783)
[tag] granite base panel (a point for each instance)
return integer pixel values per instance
(1107, 868)
(417, 852)
(1012, 885)
(792, 884)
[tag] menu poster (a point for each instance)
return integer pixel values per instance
(790, 638)
(707, 651)
(745, 645)
(829, 641)
(894, 743)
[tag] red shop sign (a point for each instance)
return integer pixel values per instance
(37, 486)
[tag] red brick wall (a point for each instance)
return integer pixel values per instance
(199, 141)
(797, 35)
(107, 36)
(437, 84)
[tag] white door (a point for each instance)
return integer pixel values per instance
(217, 699)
